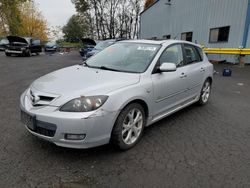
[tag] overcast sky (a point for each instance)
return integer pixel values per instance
(57, 12)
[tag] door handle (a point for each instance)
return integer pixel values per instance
(183, 75)
(202, 69)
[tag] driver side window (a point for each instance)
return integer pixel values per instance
(173, 54)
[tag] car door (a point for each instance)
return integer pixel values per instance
(170, 88)
(195, 69)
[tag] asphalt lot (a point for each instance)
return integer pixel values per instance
(198, 147)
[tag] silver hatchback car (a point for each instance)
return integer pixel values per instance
(115, 94)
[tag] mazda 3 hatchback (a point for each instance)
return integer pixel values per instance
(115, 94)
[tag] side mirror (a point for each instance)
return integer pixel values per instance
(168, 67)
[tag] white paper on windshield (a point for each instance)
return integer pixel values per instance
(146, 48)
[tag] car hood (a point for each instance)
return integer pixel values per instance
(78, 80)
(13, 39)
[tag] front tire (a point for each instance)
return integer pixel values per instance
(7, 54)
(129, 126)
(205, 93)
(28, 54)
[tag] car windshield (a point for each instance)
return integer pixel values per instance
(51, 43)
(4, 41)
(103, 44)
(125, 57)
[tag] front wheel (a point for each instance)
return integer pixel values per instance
(205, 93)
(7, 54)
(129, 127)
(28, 53)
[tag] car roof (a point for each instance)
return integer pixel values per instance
(167, 42)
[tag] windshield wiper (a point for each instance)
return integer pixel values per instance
(107, 68)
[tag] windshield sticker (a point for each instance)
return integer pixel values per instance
(146, 48)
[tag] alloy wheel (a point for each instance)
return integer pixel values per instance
(132, 126)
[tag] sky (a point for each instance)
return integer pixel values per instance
(56, 12)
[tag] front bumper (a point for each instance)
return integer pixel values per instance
(51, 49)
(96, 125)
(14, 51)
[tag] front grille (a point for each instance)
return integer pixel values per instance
(44, 128)
(38, 99)
(45, 132)
(46, 98)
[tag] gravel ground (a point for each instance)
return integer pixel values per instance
(197, 147)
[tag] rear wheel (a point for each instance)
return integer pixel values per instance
(129, 127)
(205, 93)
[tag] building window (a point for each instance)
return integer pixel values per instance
(167, 36)
(219, 34)
(188, 36)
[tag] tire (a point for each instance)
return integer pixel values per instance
(205, 93)
(7, 54)
(28, 54)
(126, 132)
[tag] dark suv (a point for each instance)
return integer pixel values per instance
(24, 46)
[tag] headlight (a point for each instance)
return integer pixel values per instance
(84, 104)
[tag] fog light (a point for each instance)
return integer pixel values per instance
(75, 136)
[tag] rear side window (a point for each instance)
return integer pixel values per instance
(173, 54)
(192, 54)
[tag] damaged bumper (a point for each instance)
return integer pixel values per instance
(68, 129)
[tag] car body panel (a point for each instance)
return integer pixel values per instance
(84, 82)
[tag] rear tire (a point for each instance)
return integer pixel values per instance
(129, 126)
(205, 93)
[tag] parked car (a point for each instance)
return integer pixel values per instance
(100, 46)
(3, 44)
(24, 46)
(51, 47)
(116, 93)
(88, 45)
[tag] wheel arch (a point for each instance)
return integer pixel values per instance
(210, 79)
(142, 103)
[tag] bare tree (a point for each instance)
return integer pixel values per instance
(112, 18)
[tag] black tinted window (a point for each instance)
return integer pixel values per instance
(191, 53)
(219, 34)
(187, 36)
(172, 54)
